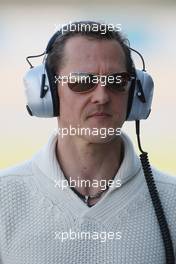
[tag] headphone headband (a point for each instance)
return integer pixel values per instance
(52, 40)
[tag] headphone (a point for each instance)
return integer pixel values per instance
(42, 95)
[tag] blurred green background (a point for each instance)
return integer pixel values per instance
(25, 28)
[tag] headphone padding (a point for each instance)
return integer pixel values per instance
(40, 107)
(141, 110)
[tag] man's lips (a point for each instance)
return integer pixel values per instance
(99, 114)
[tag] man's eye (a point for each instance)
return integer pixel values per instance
(80, 78)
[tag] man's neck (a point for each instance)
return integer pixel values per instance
(84, 161)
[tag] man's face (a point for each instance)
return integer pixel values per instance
(102, 57)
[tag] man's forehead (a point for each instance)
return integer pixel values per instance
(86, 52)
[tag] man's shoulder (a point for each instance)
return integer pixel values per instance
(16, 182)
(20, 170)
(164, 179)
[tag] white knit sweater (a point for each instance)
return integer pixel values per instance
(42, 224)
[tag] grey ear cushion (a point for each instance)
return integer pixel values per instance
(141, 110)
(40, 107)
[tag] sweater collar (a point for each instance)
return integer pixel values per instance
(47, 162)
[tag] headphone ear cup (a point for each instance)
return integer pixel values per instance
(142, 97)
(38, 92)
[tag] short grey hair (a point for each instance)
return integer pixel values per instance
(55, 58)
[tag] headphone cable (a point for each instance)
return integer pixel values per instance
(165, 232)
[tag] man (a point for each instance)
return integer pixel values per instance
(44, 221)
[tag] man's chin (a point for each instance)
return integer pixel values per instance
(99, 139)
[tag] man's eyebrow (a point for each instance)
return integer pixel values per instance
(93, 73)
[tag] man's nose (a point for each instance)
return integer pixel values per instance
(100, 95)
